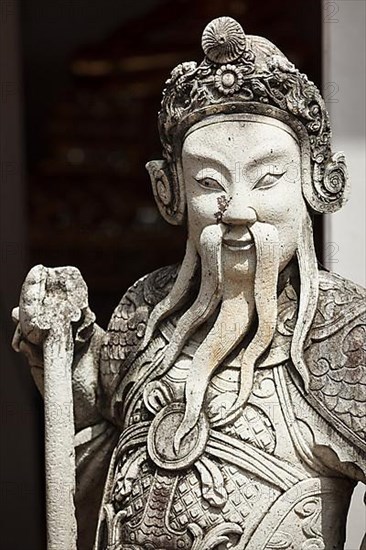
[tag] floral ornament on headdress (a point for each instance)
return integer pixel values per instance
(242, 73)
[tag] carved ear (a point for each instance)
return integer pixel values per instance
(167, 189)
(330, 187)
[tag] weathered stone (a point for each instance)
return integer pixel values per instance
(224, 407)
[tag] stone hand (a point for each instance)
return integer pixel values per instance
(49, 297)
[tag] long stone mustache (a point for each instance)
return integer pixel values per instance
(309, 291)
(209, 295)
(213, 351)
(178, 294)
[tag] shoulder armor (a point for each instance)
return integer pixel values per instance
(127, 326)
(336, 357)
(339, 302)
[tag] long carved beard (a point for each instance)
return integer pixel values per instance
(178, 294)
(209, 295)
(234, 312)
(309, 291)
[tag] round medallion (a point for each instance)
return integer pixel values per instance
(228, 79)
(160, 439)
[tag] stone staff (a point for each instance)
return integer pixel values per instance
(51, 300)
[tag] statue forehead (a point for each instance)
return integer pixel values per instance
(226, 132)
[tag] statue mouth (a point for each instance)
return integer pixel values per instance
(238, 244)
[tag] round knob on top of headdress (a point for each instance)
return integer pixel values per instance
(223, 40)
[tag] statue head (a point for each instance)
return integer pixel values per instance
(245, 74)
(247, 159)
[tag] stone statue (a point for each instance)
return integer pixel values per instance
(224, 407)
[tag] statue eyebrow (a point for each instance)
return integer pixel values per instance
(203, 159)
(270, 157)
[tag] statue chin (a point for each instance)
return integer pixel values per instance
(238, 263)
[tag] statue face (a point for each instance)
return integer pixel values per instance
(237, 173)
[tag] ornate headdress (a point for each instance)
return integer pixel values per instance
(246, 74)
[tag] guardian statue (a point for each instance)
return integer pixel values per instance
(224, 407)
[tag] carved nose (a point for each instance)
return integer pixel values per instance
(238, 214)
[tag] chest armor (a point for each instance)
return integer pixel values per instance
(250, 484)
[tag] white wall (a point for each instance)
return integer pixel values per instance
(344, 90)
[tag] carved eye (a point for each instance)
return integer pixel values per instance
(268, 181)
(209, 183)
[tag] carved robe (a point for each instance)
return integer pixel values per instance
(279, 476)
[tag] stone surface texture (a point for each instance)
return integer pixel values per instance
(224, 406)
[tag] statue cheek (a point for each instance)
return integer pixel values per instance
(202, 208)
(283, 209)
(289, 238)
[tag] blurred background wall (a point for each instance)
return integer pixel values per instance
(81, 83)
(344, 62)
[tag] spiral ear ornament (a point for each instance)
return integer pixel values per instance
(330, 187)
(167, 191)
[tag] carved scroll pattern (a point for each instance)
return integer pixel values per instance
(310, 516)
(310, 512)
